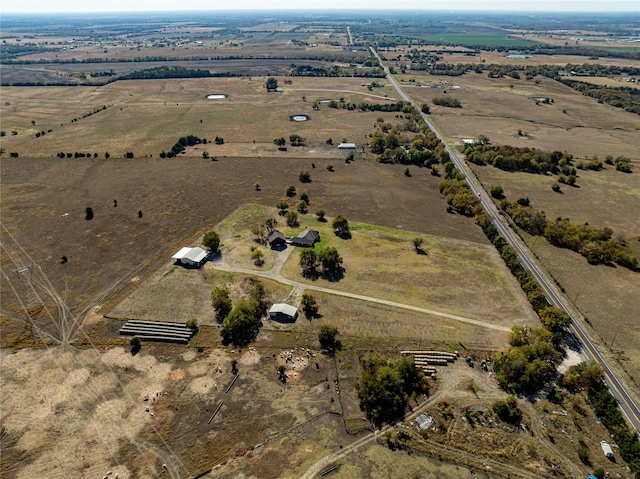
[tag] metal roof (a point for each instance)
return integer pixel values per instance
(283, 308)
(195, 255)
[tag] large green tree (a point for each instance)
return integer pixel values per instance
(211, 240)
(271, 84)
(330, 260)
(340, 226)
(327, 336)
(221, 302)
(386, 386)
(241, 325)
(309, 262)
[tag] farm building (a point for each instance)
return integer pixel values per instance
(306, 238)
(194, 257)
(283, 312)
(606, 448)
(424, 421)
(347, 146)
(276, 238)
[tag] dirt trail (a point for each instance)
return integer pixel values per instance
(281, 257)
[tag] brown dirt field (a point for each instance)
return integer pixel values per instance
(116, 246)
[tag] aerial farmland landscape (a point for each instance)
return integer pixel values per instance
(307, 244)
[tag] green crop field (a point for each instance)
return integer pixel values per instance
(474, 39)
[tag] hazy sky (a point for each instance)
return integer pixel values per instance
(7, 6)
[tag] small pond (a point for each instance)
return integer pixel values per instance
(299, 118)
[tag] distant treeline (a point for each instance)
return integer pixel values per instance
(159, 58)
(620, 96)
(336, 71)
(166, 72)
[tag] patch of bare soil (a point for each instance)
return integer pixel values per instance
(132, 414)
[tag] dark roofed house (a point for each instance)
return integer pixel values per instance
(276, 238)
(306, 238)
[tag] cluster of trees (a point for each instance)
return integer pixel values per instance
(166, 71)
(597, 245)
(457, 193)
(182, 144)
(240, 323)
(326, 262)
(399, 106)
(385, 387)
(409, 143)
(512, 158)
(589, 377)
(527, 281)
(622, 163)
(447, 101)
(507, 410)
(370, 71)
(530, 361)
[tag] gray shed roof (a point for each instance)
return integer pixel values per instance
(283, 308)
(196, 255)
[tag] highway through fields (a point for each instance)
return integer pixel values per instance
(627, 405)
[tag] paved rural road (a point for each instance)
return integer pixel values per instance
(281, 257)
(628, 406)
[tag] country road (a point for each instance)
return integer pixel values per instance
(629, 408)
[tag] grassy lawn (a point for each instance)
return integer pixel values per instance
(453, 276)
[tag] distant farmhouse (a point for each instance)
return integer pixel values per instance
(191, 257)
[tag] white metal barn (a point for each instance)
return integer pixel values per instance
(194, 257)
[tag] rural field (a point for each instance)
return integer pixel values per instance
(606, 198)
(147, 117)
(93, 210)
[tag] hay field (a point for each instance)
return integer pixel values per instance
(491, 107)
(146, 117)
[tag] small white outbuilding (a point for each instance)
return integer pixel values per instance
(283, 312)
(194, 257)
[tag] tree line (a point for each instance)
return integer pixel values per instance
(597, 245)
